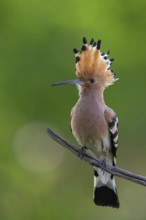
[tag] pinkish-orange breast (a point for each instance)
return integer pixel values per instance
(88, 122)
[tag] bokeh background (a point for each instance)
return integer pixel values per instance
(38, 178)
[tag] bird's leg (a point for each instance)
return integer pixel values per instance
(82, 152)
(103, 163)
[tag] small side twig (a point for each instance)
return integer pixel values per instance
(94, 161)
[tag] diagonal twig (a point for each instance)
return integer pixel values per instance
(94, 161)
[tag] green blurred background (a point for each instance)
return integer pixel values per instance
(38, 178)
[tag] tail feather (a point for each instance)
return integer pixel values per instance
(105, 194)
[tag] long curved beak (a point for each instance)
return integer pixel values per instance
(75, 81)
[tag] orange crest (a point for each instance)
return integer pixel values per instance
(90, 61)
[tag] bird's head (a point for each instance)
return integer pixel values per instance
(92, 67)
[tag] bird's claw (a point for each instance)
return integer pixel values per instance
(81, 152)
(103, 163)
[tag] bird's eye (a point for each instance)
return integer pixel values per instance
(92, 80)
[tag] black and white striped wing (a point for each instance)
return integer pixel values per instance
(113, 130)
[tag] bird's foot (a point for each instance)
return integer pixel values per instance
(103, 163)
(82, 152)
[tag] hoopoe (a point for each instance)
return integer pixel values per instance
(93, 123)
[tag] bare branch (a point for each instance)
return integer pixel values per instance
(94, 161)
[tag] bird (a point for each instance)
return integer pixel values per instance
(94, 124)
